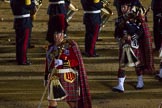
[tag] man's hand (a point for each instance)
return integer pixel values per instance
(128, 37)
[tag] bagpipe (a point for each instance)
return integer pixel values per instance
(135, 13)
(106, 12)
(128, 57)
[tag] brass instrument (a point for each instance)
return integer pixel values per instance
(38, 4)
(71, 11)
(106, 12)
(6, 1)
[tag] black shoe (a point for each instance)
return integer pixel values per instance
(25, 63)
(95, 55)
(117, 90)
(157, 76)
(99, 39)
(139, 88)
(89, 55)
(31, 46)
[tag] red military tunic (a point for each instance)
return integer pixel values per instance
(75, 85)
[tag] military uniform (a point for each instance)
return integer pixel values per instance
(116, 3)
(92, 21)
(70, 72)
(157, 9)
(129, 50)
(22, 26)
(135, 47)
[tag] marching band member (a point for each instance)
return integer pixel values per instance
(92, 21)
(156, 6)
(117, 4)
(135, 47)
(23, 25)
(69, 80)
(159, 73)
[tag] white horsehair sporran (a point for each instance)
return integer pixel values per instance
(128, 57)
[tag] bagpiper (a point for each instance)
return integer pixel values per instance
(135, 47)
(65, 75)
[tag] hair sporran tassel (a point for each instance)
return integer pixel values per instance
(56, 91)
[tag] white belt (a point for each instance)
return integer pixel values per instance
(22, 16)
(93, 12)
(66, 70)
(59, 2)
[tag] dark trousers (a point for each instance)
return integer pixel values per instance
(22, 40)
(29, 42)
(157, 27)
(91, 36)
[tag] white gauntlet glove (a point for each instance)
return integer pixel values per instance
(58, 62)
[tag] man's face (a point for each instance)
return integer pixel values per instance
(125, 8)
(58, 38)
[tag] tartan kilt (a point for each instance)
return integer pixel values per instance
(70, 88)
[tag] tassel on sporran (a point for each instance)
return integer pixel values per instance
(56, 91)
(128, 57)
